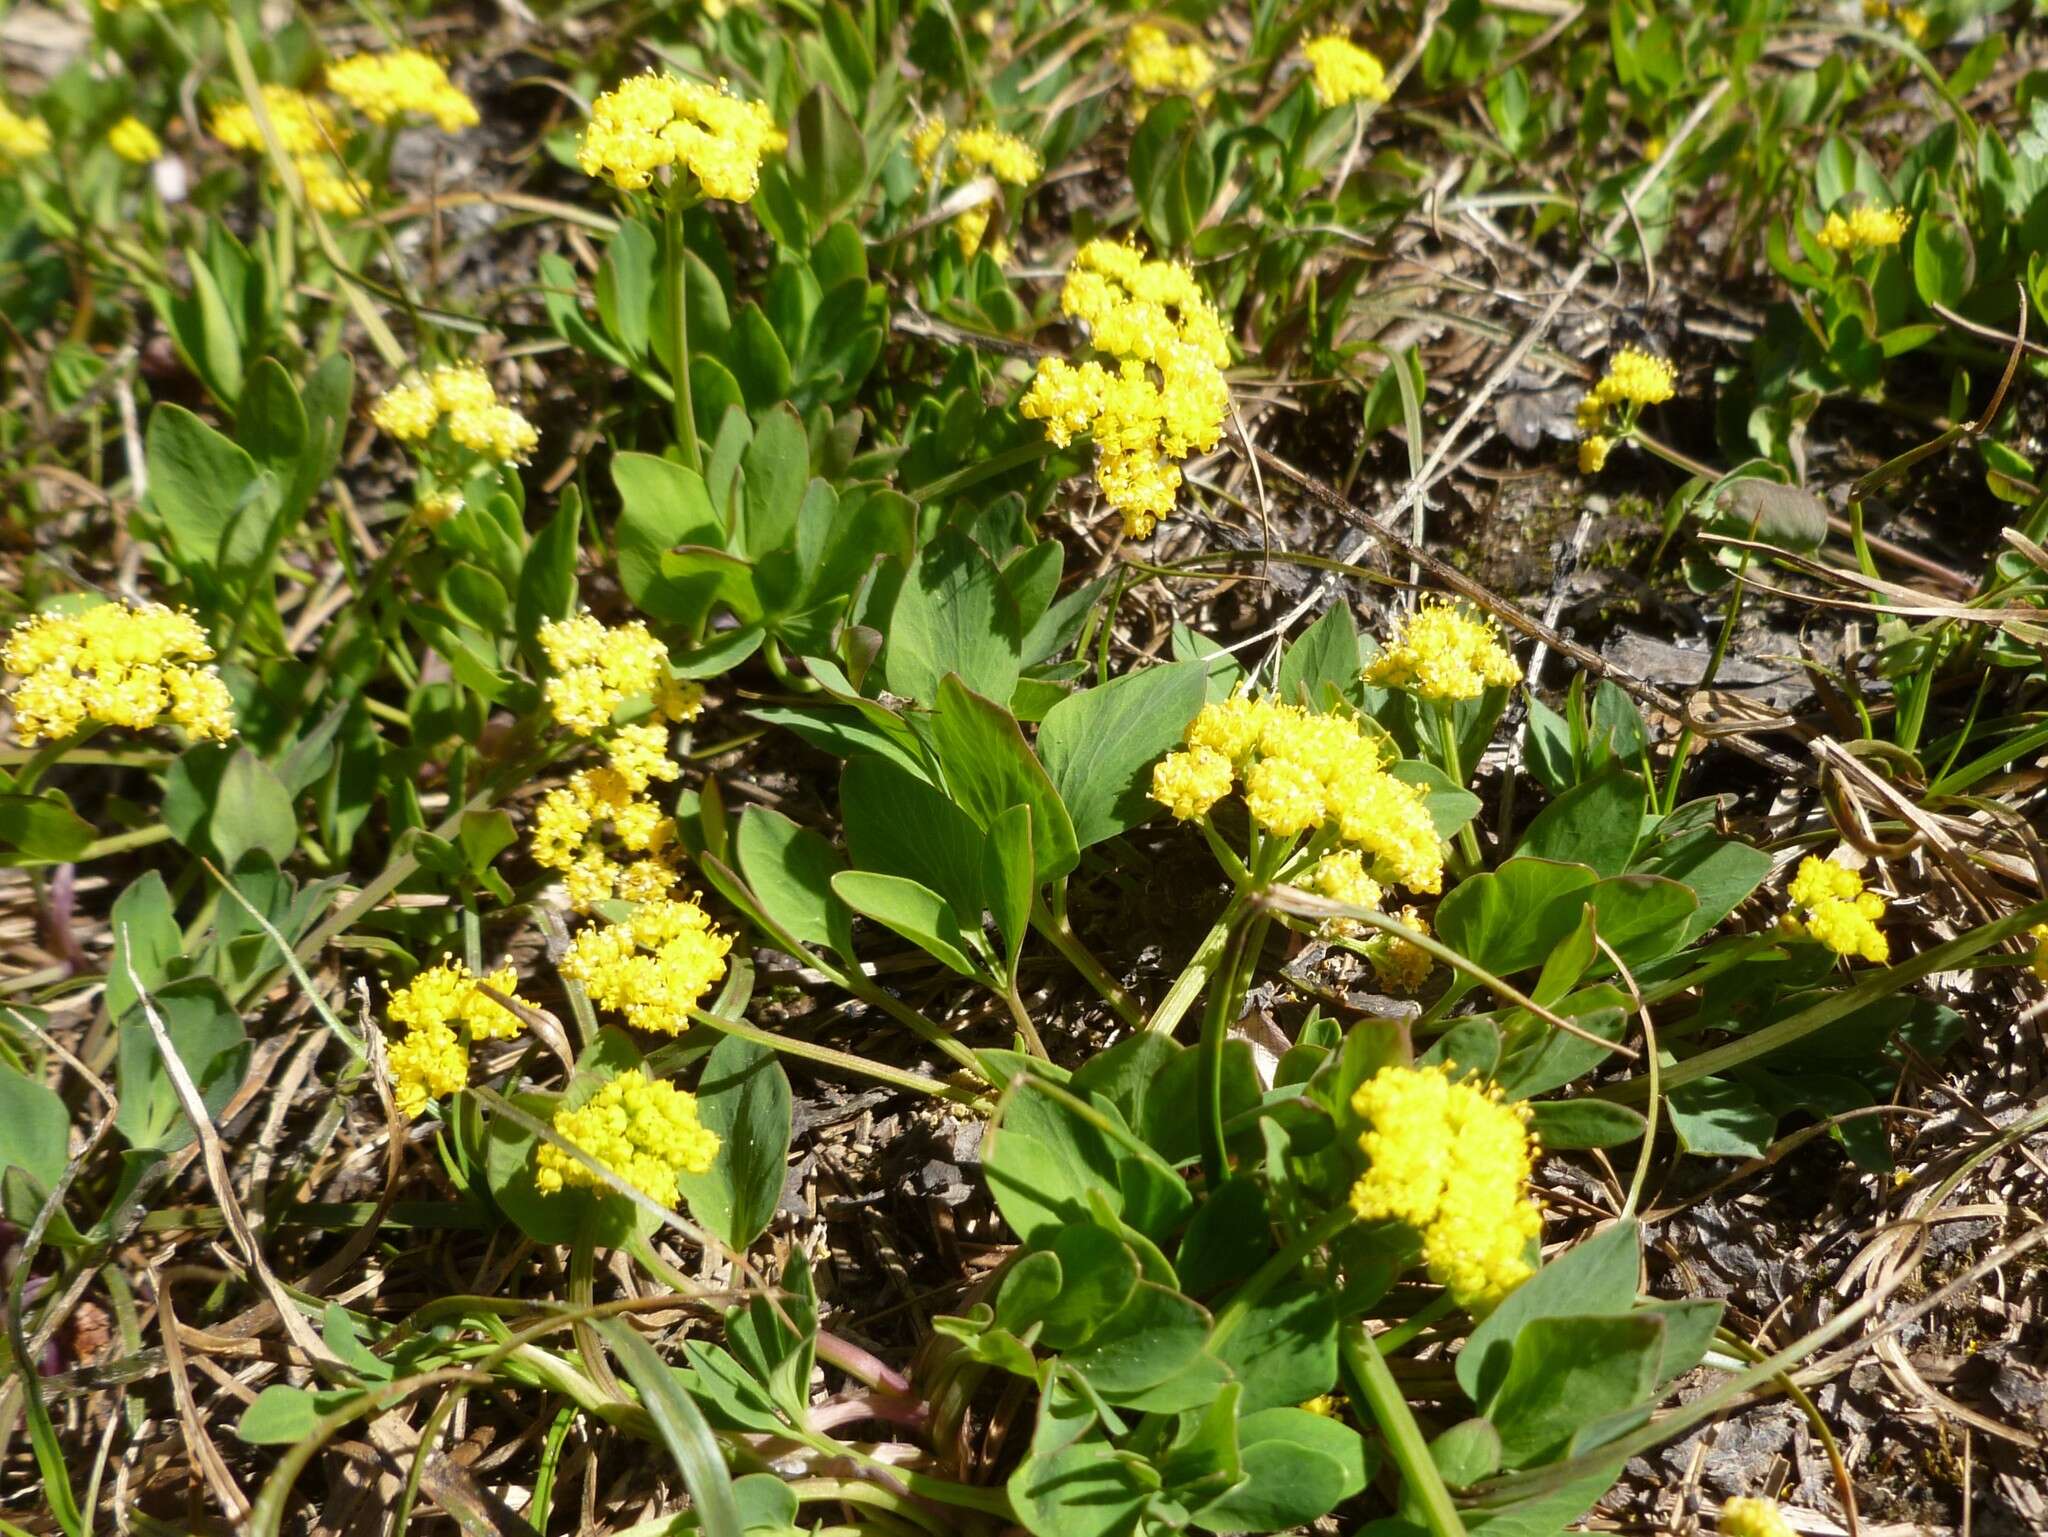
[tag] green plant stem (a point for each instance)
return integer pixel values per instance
(1225, 990)
(1387, 1341)
(1187, 987)
(1372, 1384)
(1447, 735)
(679, 328)
(1052, 925)
(121, 843)
(1674, 780)
(1277, 1269)
(846, 1061)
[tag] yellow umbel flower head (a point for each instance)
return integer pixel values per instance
(459, 396)
(1839, 912)
(21, 138)
(304, 126)
(1165, 399)
(602, 830)
(1453, 1162)
(1867, 228)
(1749, 1516)
(653, 967)
(1159, 66)
(134, 140)
(1608, 410)
(1401, 965)
(653, 121)
(132, 666)
(1593, 453)
(1341, 71)
(644, 1130)
(387, 86)
(1298, 770)
(2039, 964)
(1443, 650)
(985, 151)
(598, 668)
(329, 188)
(443, 1010)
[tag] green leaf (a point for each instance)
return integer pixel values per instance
(953, 614)
(1466, 1453)
(625, 286)
(1325, 653)
(1298, 1467)
(41, 830)
(1570, 1123)
(199, 482)
(547, 577)
(681, 1424)
(1720, 872)
(743, 1096)
(1284, 1350)
(989, 768)
(912, 910)
(827, 156)
(1086, 1489)
(1007, 882)
(254, 811)
(662, 505)
(1098, 745)
(1597, 1276)
(1944, 259)
(1149, 1340)
(1098, 1274)
(269, 420)
(1596, 823)
(283, 1415)
(758, 360)
(1569, 1371)
(206, 1032)
(898, 824)
(789, 869)
(35, 1132)
(777, 468)
(1172, 172)
(1510, 919)
(1721, 1118)
(1048, 1154)
(146, 939)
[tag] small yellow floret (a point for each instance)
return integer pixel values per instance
(406, 411)
(442, 1010)
(1189, 783)
(1283, 797)
(1341, 876)
(1839, 912)
(387, 86)
(1400, 964)
(1866, 228)
(1443, 650)
(645, 1131)
(133, 139)
(1593, 453)
(1453, 1162)
(654, 967)
(1344, 72)
(597, 669)
(304, 126)
(653, 121)
(121, 665)
(1748, 1516)
(21, 138)
(1160, 66)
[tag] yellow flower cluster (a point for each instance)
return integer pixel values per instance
(308, 131)
(653, 120)
(1443, 650)
(1165, 398)
(1400, 964)
(1159, 66)
(1301, 770)
(1839, 912)
(604, 833)
(644, 1130)
(975, 151)
(21, 138)
(459, 395)
(2039, 934)
(1453, 1162)
(1913, 21)
(598, 668)
(128, 666)
(387, 86)
(133, 139)
(1341, 71)
(1867, 228)
(304, 125)
(1634, 379)
(443, 1010)
(653, 967)
(1749, 1516)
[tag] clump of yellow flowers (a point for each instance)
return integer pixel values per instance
(2039, 963)
(451, 416)
(1164, 399)
(443, 1010)
(1444, 651)
(1452, 1161)
(1340, 71)
(1749, 1516)
(1839, 912)
(1608, 410)
(405, 82)
(644, 1130)
(655, 120)
(1159, 66)
(134, 140)
(974, 151)
(1866, 228)
(118, 664)
(308, 131)
(21, 138)
(1299, 771)
(1913, 21)
(654, 966)
(598, 667)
